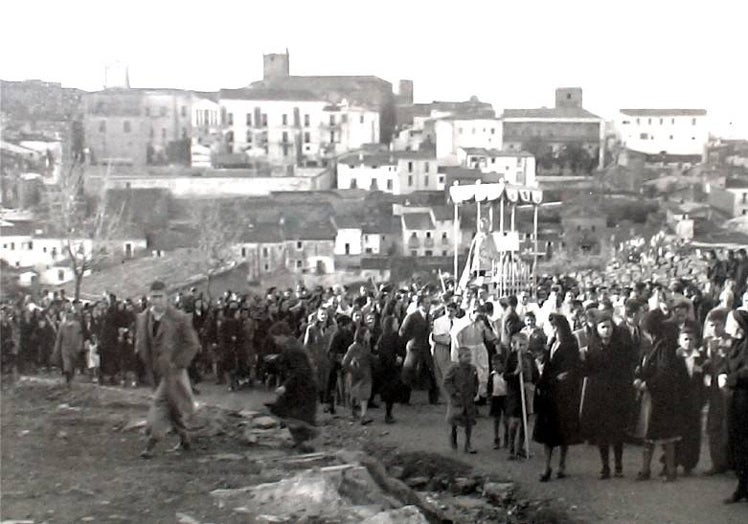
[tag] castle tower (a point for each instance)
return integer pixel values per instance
(569, 97)
(276, 65)
(405, 92)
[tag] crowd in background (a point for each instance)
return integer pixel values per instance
(591, 356)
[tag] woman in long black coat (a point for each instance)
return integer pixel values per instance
(391, 353)
(557, 396)
(663, 375)
(735, 379)
(609, 367)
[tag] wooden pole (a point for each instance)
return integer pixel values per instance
(535, 254)
(456, 243)
(501, 214)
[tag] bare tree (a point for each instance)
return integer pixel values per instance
(85, 226)
(218, 229)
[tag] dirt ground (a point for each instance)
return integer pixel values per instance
(66, 458)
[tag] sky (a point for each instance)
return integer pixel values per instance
(651, 54)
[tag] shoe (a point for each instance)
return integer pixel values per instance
(365, 421)
(670, 478)
(373, 405)
(195, 391)
(512, 456)
(643, 475)
(560, 475)
(605, 474)
(179, 448)
(714, 471)
(735, 497)
(453, 441)
(545, 477)
(389, 419)
(146, 454)
(496, 444)
(618, 474)
(470, 450)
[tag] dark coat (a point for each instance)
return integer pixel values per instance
(736, 368)
(609, 394)
(417, 370)
(557, 399)
(666, 378)
(689, 448)
(389, 347)
(299, 398)
(461, 384)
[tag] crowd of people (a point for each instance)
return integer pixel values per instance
(583, 357)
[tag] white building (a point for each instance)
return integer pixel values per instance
(672, 132)
(516, 167)
(453, 133)
(427, 231)
(395, 172)
(348, 237)
(293, 127)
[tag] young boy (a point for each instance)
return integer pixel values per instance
(461, 384)
(497, 385)
(513, 407)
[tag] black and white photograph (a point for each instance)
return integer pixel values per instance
(335, 262)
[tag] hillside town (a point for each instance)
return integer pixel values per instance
(331, 174)
(279, 257)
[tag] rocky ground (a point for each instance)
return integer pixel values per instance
(71, 455)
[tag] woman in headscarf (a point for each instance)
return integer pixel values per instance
(391, 353)
(735, 378)
(664, 377)
(557, 395)
(609, 366)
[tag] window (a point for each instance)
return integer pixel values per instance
(102, 126)
(366, 238)
(428, 253)
(361, 119)
(672, 121)
(444, 253)
(649, 121)
(369, 251)
(284, 119)
(164, 111)
(285, 136)
(426, 181)
(671, 137)
(413, 253)
(249, 136)
(428, 234)
(264, 119)
(693, 121)
(306, 120)
(299, 244)
(410, 180)
(267, 267)
(459, 130)
(332, 137)
(593, 229)
(661, 121)
(249, 119)
(410, 167)
(745, 200)
(354, 183)
(414, 235)
(343, 119)
(183, 111)
(265, 252)
(643, 136)
(389, 184)
(493, 130)
(332, 120)
(307, 137)
(579, 228)
(244, 251)
(44, 249)
(298, 264)
(444, 235)
(638, 121)
(60, 275)
(425, 167)
(230, 117)
(473, 130)
(126, 126)
(441, 179)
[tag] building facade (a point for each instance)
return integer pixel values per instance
(731, 199)
(516, 167)
(395, 172)
(679, 133)
(453, 133)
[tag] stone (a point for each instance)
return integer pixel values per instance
(265, 422)
(417, 482)
(184, 518)
(468, 503)
(88, 519)
(397, 471)
(135, 424)
(248, 413)
(404, 515)
(67, 407)
(464, 486)
(498, 492)
(62, 434)
(226, 456)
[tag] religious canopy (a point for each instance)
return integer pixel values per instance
(461, 194)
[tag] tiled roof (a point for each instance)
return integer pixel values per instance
(375, 263)
(549, 112)
(442, 213)
(310, 231)
(664, 112)
(368, 159)
(479, 151)
(267, 94)
(381, 225)
(347, 221)
(262, 234)
(736, 183)
(419, 221)
(17, 229)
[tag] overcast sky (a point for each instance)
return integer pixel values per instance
(513, 54)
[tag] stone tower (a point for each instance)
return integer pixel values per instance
(275, 65)
(569, 97)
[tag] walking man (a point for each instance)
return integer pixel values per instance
(166, 343)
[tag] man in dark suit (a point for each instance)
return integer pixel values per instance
(418, 368)
(166, 343)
